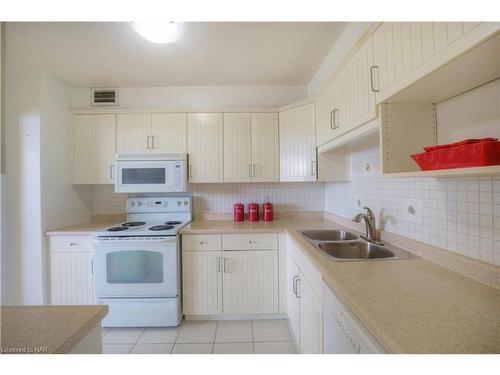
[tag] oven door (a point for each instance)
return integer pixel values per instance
(144, 176)
(136, 268)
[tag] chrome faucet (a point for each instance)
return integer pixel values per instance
(371, 229)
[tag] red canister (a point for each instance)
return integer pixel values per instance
(239, 212)
(267, 211)
(253, 212)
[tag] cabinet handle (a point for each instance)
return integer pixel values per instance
(372, 80)
(253, 170)
(73, 244)
(298, 280)
(313, 167)
(334, 118)
(190, 170)
(92, 266)
(153, 141)
(147, 142)
(219, 260)
(224, 269)
(294, 285)
(331, 120)
(112, 171)
(249, 170)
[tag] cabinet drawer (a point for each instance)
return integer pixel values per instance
(197, 242)
(250, 241)
(71, 243)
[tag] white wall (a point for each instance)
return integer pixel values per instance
(337, 54)
(38, 193)
(21, 228)
(206, 97)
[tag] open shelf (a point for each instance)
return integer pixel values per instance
(410, 121)
(456, 172)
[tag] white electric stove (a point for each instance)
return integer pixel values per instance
(137, 263)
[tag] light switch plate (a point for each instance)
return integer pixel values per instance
(412, 210)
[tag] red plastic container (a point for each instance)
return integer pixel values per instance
(239, 212)
(464, 154)
(253, 212)
(267, 211)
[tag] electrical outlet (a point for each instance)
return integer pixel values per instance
(412, 210)
(359, 202)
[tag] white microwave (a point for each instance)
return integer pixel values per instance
(151, 173)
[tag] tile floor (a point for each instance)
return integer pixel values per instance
(203, 337)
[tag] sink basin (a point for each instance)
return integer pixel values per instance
(356, 250)
(329, 235)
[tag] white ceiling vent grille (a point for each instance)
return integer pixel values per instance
(104, 97)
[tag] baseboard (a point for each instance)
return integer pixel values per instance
(236, 316)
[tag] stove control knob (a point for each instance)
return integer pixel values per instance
(132, 204)
(179, 203)
(139, 203)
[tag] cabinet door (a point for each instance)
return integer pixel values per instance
(202, 282)
(326, 108)
(404, 52)
(356, 99)
(205, 147)
(265, 147)
(298, 144)
(133, 133)
(250, 282)
(293, 274)
(71, 278)
(169, 133)
(311, 319)
(94, 149)
(237, 147)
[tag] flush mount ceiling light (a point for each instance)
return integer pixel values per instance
(156, 32)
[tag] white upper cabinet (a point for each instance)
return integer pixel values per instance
(94, 149)
(133, 133)
(168, 132)
(205, 147)
(265, 147)
(404, 52)
(298, 144)
(237, 147)
(146, 132)
(251, 147)
(349, 99)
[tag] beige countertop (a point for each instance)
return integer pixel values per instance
(47, 329)
(410, 306)
(85, 229)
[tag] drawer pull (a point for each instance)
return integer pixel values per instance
(73, 244)
(202, 243)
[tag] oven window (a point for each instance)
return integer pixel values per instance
(132, 176)
(134, 267)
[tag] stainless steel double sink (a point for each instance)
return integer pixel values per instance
(346, 246)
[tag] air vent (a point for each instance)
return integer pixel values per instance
(103, 97)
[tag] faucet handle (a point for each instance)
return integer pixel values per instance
(369, 211)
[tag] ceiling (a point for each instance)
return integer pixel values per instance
(205, 54)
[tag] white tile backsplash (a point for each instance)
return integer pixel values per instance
(457, 214)
(220, 198)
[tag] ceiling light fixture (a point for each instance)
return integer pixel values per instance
(156, 32)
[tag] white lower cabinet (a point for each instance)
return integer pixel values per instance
(304, 310)
(71, 271)
(250, 282)
(202, 282)
(234, 281)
